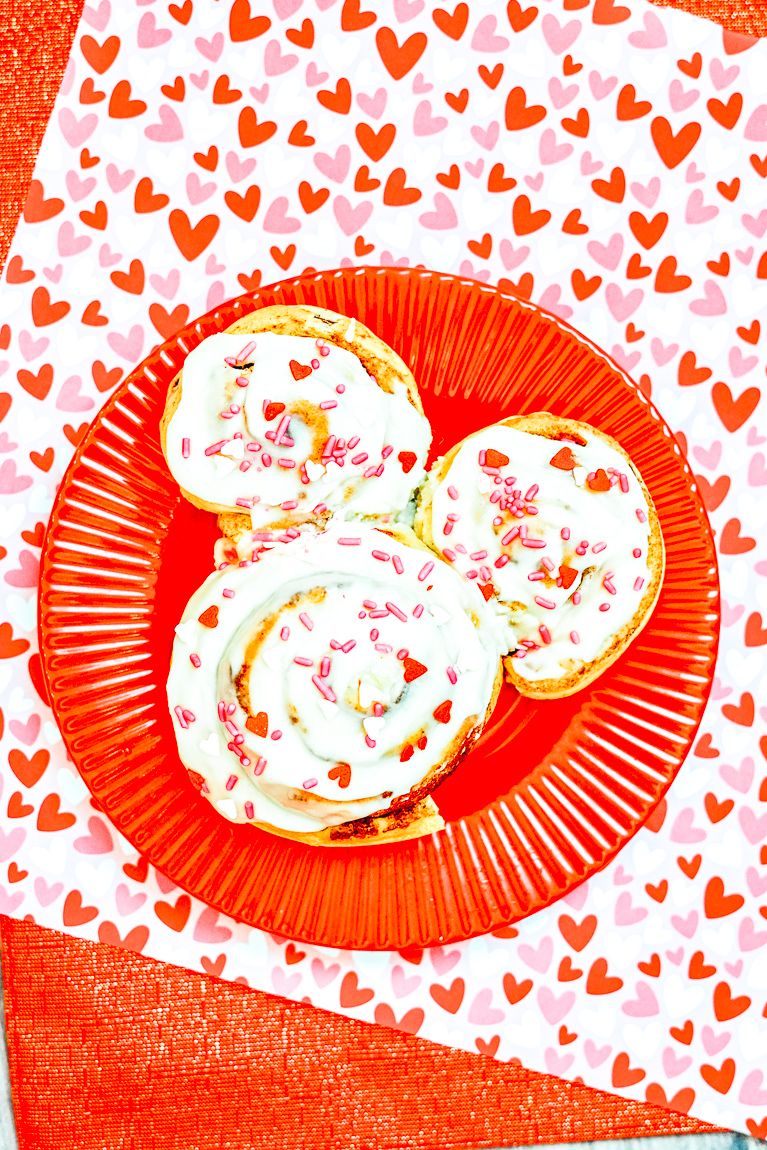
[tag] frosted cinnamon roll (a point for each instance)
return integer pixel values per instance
(552, 518)
(324, 690)
(294, 413)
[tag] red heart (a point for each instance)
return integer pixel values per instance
(449, 999)
(43, 311)
(671, 148)
(37, 208)
(577, 935)
(28, 771)
(50, 818)
(518, 114)
(399, 59)
(351, 994)
(243, 26)
(74, 913)
(101, 57)
(453, 26)
(175, 915)
(191, 241)
(135, 940)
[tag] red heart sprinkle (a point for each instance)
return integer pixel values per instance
(442, 712)
(413, 669)
(273, 410)
(209, 618)
(299, 370)
(564, 460)
(495, 458)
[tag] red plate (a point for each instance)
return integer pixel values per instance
(553, 790)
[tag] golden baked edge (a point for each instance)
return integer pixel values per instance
(316, 323)
(555, 427)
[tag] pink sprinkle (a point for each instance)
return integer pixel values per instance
(214, 447)
(381, 555)
(326, 351)
(495, 497)
(371, 606)
(403, 653)
(245, 465)
(418, 610)
(580, 549)
(320, 343)
(576, 597)
(249, 811)
(485, 573)
(230, 361)
(309, 784)
(190, 718)
(379, 470)
(533, 542)
(452, 492)
(501, 561)
(185, 448)
(624, 480)
(370, 472)
(547, 603)
(330, 443)
(320, 509)
(234, 408)
(276, 735)
(195, 660)
(260, 766)
(609, 587)
(324, 689)
(285, 634)
(306, 621)
(303, 661)
(242, 381)
(427, 568)
(266, 459)
(637, 553)
(477, 555)
(398, 567)
(385, 647)
(231, 727)
(222, 712)
(509, 536)
(448, 528)
(349, 541)
(396, 611)
(363, 455)
(472, 574)
(228, 593)
(286, 463)
(386, 452)
(325, 667)
(243, 501)
(575, 637)
(315, 363)
(289, 505)
(448, 553)
(604, 606)
(544, 633)
(452, 675)
(498, 521)
(547, 563)
(379, 614)
(249, 347)
(598, 547)
(353, 441)
(328, 403)
(565, 533)
(531, 494)
(638, 583)
(535, 576)
(374, 634)
(253, 447)
(348, 645)
(370, 742)
(230, 782)
(641, 516)
(180, 716)
(335, 645)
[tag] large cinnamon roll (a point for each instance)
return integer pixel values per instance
(294, 413)
(322, 690)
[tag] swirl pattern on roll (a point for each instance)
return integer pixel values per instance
(291, 427)
(342, 675)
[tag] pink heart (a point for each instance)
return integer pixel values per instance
(679, 99)
(424, 124)
(486, 137)
(709, 457)
(746, 256)
(730, 614)
(751, 1093)
(683, 830)
(550, 300)
(442, 960)
(653, 36)
(485, 40)
(274, 62)
(673, 1065)
(212, 268)
(78, 189)
(31, 348)
(9, 844)
(625, 359)
(757, 472)
(286, 8)
(70, 244)
(741, 779)
(692, 175)
(620, 878)
(589, 166)
(748, 938)
(388, 261)
(686, 926)
(512, 259)
(10, 482)
(647, 195)
(98, 18)
(168, 130)
(644, 1005)
(108, 258)
(69, 398)
(313, 77)
(118, 180)
(373, 106)
(675, 956)
(696, 211)
(577, 898)
(148, 35)
(401, 984)
(167, 287)
(756, 128)
(335, 167)
(757, 226)
(718, 691)
(607, 255)
(207, 930)
(474, 170)
(128, 347)
(625, 913)
(324, 975)
(538, 959)
(201, 80)
(238, 169)
(753, 828)
(554, 1009)
(420, 86)
(559, 37)
(549, 151)
(599, 87)
(740, 365)
(323, 5)
(277, 222)
(622, 306)
(535, 182)
(127, 903)
(722, 77)
(557, 1064)
(196, 192)
(443, 217)
(406, 10)
(260, 94)
(53, 274)
(595, 1055)
(713, 304)
(662, 355)
(351, 219)
(165, 884)
(714, 1042)
(481, 1011)
(47, 894)
(216, 295)
(75, 131)
(210, 49)
(282, 984)
(561, 97)
(754, 438)
(25, 732)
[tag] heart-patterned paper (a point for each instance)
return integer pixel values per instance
(607, 160)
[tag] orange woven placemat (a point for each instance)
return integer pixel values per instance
(108, 1049)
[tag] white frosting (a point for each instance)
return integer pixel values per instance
(322, 577)
(564, 500)
(378, 424)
